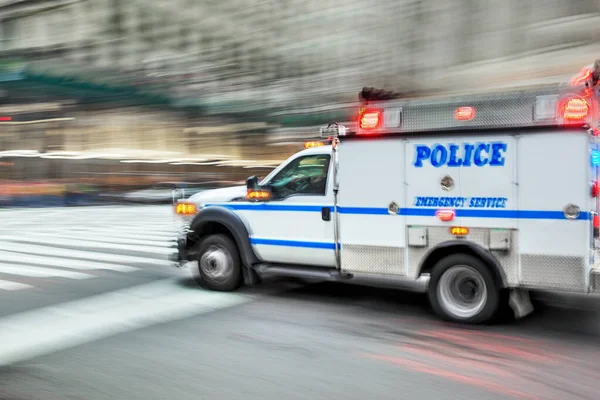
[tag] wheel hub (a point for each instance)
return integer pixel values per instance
(468, 289)
(462, 291)
(216, 263)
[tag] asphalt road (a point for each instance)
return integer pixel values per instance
(152, 334)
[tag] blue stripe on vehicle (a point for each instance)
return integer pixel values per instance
(292, 243)
(269, 207)
(410, 212)
(363, 210)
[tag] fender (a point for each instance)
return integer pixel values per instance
(232, 222)
(426, 263)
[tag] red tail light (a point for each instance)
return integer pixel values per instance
(445, 215)
(370, 119)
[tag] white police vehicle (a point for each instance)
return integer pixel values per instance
(475, 196)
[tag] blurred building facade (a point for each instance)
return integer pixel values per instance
(268, 62)
(287, 50)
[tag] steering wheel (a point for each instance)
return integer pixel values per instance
(298, 183)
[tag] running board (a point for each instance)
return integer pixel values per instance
(334, 275)
(308, 272)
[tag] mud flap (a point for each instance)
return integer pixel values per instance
(520, 303)
(251, 278)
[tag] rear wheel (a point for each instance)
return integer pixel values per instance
(462, 289)
(219, 265)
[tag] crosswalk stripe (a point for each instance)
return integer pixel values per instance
(50, 329)
(119, 233)
(63, 262)
(86, 243)
(140, 232)
(8, 285)
(111, 238)
(85, 255)
(66, 242)
(40, 272)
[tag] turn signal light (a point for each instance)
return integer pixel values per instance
(459, 230)
(186, 209)
(258, 195)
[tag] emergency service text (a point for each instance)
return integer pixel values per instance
(460, 202)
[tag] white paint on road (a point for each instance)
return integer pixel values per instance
(50, 329)
(114, 237)
(86, 255)
(63, 262)
(59, 242)
(87, 244)
(8, 285)
(39, 272)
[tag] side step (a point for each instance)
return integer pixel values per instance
(307, 272)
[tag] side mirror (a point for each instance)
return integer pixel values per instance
(255, 192)
(252, 183)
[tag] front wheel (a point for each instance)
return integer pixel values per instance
(219, 265)
(462, 289)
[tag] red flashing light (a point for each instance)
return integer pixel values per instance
(445, 215)
(596, 221)
(5, 118)
(464, 113)
(370, 119)
(583, 76)
(595, 188)
(574, 110)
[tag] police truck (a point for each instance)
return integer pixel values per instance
(476, 198)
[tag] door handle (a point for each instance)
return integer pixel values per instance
(326, 213)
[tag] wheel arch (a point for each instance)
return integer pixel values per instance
(450, 247)
(220, 220)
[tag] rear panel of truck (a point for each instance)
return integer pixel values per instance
(553, 173)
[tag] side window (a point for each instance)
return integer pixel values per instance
(305, 175)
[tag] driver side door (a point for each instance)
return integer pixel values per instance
(296, 225)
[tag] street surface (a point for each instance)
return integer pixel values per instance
(90, 308)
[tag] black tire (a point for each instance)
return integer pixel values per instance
(213, 252)
(480, 275)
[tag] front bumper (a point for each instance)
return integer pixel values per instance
(185, 251)
(182, 254)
